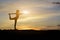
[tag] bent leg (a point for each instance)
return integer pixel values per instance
(11, 18)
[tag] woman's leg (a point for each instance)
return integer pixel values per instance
(11, 18)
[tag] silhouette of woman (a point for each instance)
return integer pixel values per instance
(15, 18)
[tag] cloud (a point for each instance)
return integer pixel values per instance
(27, 4)
(54, 0)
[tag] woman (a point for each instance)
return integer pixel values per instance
(15, 18)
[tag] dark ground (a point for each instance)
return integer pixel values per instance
(23, 33)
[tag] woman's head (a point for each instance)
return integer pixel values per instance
(17, 11)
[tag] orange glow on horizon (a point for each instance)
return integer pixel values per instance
(28, 28)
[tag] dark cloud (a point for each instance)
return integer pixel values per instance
(55, 7)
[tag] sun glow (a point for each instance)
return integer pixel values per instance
(25, 11)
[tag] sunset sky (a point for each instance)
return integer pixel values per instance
(41, 13)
